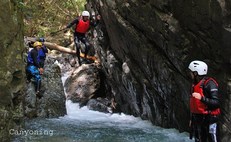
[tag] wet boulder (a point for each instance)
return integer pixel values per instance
(100, 104)
(83, 84)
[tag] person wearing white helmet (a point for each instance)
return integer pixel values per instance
(85, 14)
(82, 25)
(204, 104)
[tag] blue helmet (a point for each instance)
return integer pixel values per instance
(41, 39)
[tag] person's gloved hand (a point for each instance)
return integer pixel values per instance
(98, 17)
(41, 39)
(66, 29)
(197, 95)
(41, 71)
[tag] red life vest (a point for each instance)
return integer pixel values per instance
(82, 26)
(198, 107)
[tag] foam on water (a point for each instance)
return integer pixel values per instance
(122, 121)
(75, 113)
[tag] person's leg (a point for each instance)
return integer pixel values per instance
(37, 83)
(28, 74)
(77, 45)
(213, 132)
(87, 46)
(204, 132)
(35, 73)
(197, 132)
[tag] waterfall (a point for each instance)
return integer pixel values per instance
(114, 127)
(82, 124)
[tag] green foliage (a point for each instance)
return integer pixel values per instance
(41, 17)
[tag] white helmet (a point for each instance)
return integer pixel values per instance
(86, 13)
(200, 67)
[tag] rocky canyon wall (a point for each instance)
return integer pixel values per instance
(150, 44)
(11, 67)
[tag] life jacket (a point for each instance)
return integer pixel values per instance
(82, 26)
(198, 107)
(30, 59)
(42, 52)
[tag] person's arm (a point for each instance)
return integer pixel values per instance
(76, 21)
(94, 23)
(34, 55)
(44, 48)
(211, 99)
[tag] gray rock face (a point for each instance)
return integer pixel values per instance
(100, 104)
(83, 84)
(52, 104)
(11, 68)
(151, 45)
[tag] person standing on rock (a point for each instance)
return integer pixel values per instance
(34, 69)
(204, 104)
(82, 25)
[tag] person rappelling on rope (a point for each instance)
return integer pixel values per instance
(83, 24)
(33, 68)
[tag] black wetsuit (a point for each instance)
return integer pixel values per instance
(205, 125)
(81, 37)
